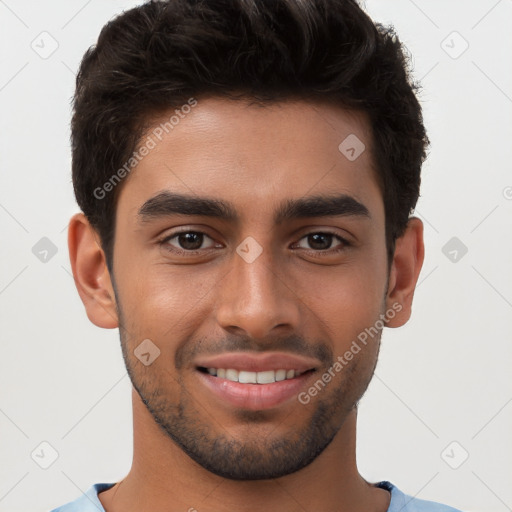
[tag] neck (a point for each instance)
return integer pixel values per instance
(163, 477)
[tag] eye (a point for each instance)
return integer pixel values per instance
(322, 241)
(185, 242)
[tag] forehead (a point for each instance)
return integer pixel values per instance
(255, 157)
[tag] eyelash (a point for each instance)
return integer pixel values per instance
(327, 252)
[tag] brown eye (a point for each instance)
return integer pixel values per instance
(321, 241)
(186, 241)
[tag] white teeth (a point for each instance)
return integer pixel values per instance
(266, 377)
(232, 375)
(281, 375)
(246, 377)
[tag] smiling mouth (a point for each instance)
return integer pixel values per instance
(248, 377)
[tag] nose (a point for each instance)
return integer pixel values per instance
(257, 297)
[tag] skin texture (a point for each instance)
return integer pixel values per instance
(191, 449)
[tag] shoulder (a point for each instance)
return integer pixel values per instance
(88, 502)
(405, 503)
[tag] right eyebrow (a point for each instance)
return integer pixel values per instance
(169, 203)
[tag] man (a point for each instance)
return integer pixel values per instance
(246, 172)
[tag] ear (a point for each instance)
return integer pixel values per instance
(405, 269)
(90, 272)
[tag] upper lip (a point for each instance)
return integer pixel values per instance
(259, 362)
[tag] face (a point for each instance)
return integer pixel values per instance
(267, 268)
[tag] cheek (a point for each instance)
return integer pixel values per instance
(162, 304)
(348, 302)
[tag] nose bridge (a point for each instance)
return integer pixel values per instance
(255, 296)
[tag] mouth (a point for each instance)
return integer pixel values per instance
(255, 382)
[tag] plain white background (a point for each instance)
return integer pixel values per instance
(442, 390)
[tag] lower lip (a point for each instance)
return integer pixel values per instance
(254, 397)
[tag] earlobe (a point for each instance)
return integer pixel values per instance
(405, 269)
(90, 272)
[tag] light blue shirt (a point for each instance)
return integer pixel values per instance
(400, 502)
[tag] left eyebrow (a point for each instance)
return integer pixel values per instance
(321, 206)
(166, 203)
